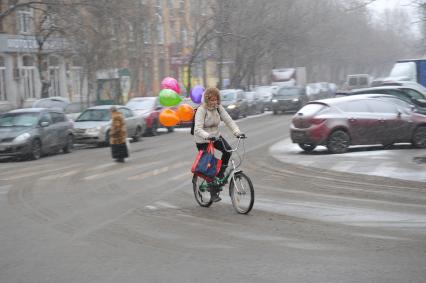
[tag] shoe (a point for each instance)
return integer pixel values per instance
(215, 198)
(120, 160)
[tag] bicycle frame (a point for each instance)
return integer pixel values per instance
(234, 170)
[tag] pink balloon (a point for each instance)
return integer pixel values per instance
(170, 83)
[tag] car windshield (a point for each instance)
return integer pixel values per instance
(250, 95)
(141, 104)
(227, 96)
(95, 115)
(19, 119)
(287, 92)
(413, 93)
(264, 89)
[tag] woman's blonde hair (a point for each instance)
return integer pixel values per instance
(211, 92)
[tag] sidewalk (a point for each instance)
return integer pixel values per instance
(401, 161)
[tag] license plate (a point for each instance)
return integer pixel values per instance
(298, 135)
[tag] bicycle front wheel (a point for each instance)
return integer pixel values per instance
(201, 192)
(242, 193)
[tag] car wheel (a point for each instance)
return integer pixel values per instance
(262, 110)
(170, 129)
(275, 112)
(137, 135)
(69, 146)
(419, 137)
(338, 142)
(35, 150)
(307, 147)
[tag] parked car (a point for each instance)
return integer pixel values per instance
(235, 103)
(59, 103)
(266, 93)
(408, 94)
(93, 124)
(32, 132)
(341, 122)
(149, 108)
(409, 84)
(289, 99)
(255, 103)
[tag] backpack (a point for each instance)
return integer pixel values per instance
(193, 120)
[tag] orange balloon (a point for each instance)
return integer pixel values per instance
(168, 118)
(185, 112)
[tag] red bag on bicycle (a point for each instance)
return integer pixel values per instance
(206, 165)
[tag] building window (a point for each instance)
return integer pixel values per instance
(3, 94)
(147, 78)
(25, 20)
(162, 68)
(146, 33)
(54, 68)
(160, 29)
(184, 36)
(182, 6)
(75, 77)
(28, 76)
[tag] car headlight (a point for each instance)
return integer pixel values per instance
(232, 106)
(274, 100)
(21, 138)
(295, 100)
(93, 131)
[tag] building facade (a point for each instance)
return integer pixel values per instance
(29, 70)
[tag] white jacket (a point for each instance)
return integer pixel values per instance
(207, 123)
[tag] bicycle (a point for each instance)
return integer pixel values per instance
(241, 188)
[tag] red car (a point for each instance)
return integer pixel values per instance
(149, 108)
(341, 122)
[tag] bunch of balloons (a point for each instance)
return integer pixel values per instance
(169, 97)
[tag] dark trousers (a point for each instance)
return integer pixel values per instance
(219, 146)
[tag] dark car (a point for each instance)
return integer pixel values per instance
(235, 103)
(32, 132)
(357, 120)
(149, 108)
(289, 99)
(255, 103)
(409, 94)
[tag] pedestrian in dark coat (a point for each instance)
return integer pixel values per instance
(118, 136)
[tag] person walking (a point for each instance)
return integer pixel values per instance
(118, 136)
(206, 129)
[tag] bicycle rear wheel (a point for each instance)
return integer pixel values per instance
(242, 193)
(201, 192)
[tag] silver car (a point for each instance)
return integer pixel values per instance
(93, 124)
(32, 132)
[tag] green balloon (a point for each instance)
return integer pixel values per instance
(169, 98)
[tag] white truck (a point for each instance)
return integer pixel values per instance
(289, 77)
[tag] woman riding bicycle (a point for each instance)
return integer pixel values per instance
(206, 128)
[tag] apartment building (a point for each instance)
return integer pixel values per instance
(32, 67)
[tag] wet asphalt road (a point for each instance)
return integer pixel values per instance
(82, 218)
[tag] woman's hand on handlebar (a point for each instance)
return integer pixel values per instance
(212, 139)
(242, 136)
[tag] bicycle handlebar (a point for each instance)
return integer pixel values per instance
(241, 137)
